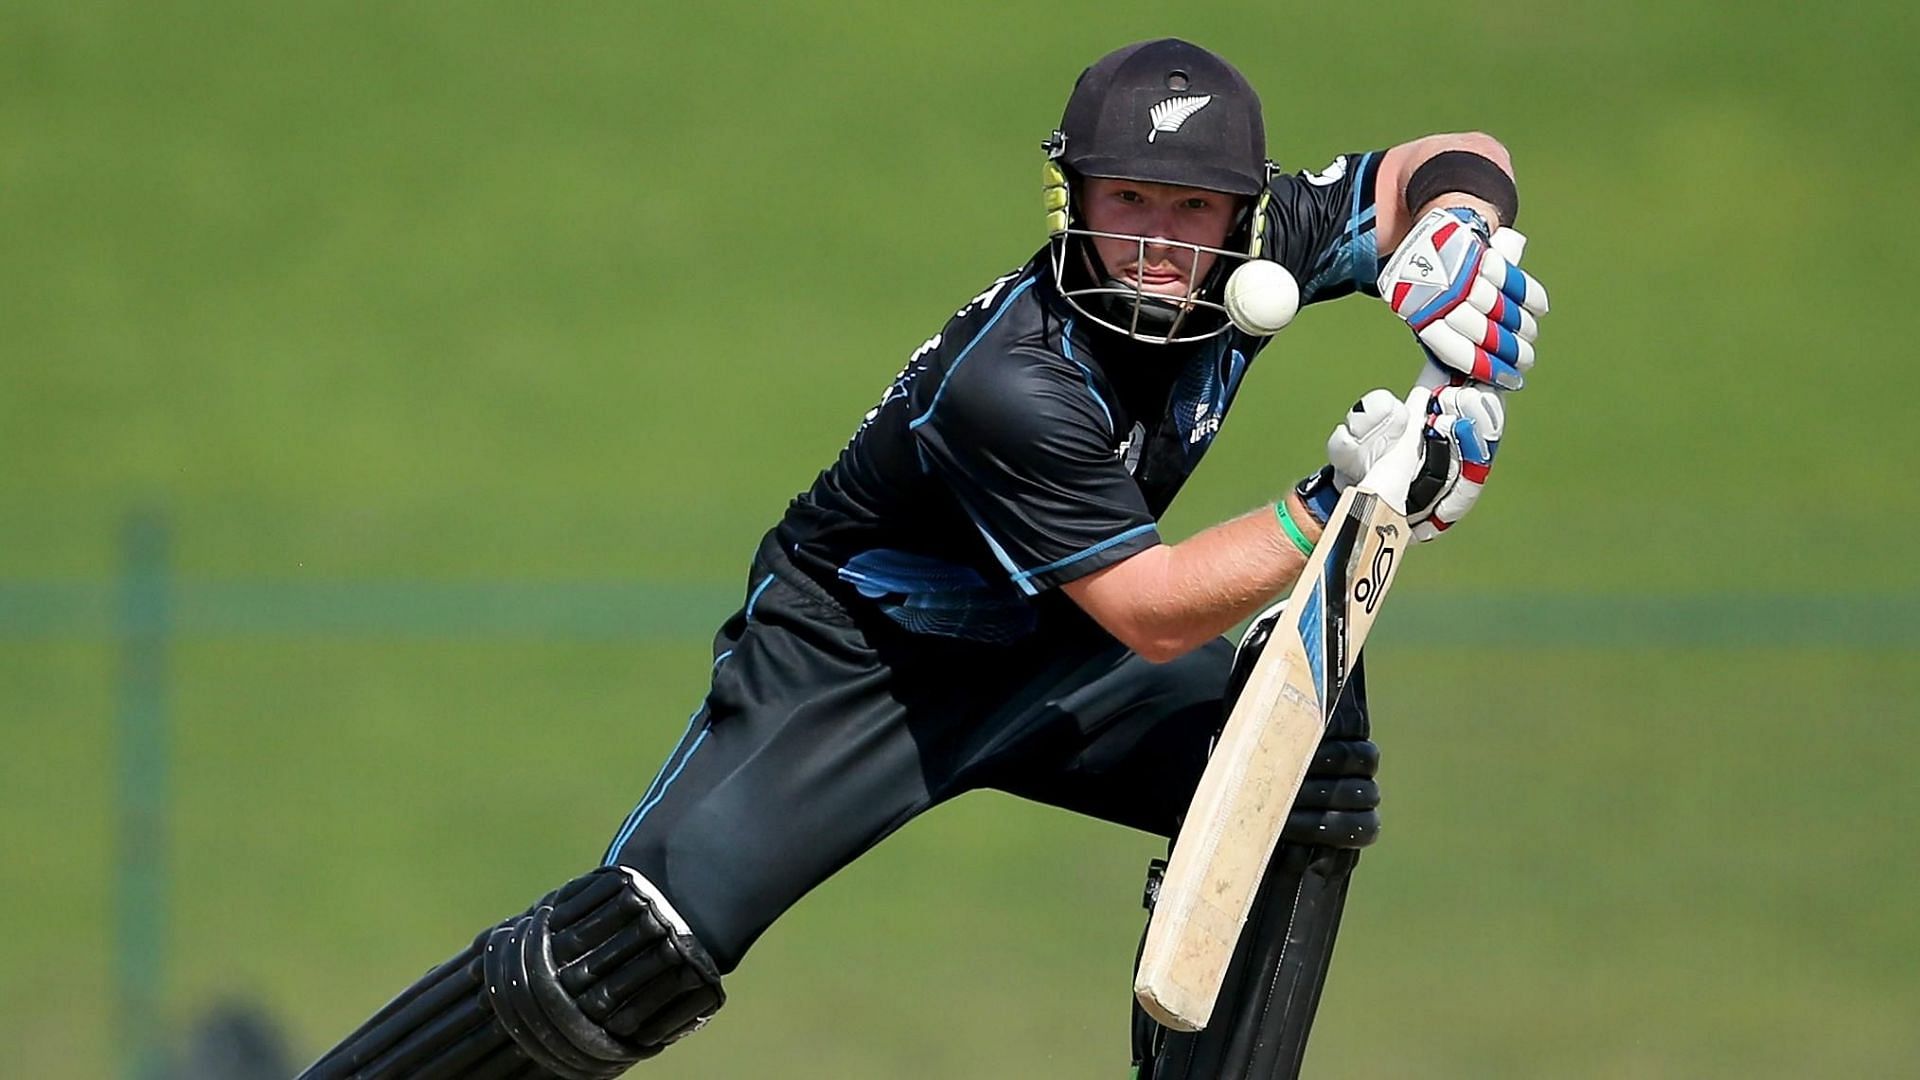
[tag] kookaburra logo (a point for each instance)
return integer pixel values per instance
(1171, 113)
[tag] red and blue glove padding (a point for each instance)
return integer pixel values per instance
(1464, 423)
(1474, 311)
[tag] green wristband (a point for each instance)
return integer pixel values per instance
(1293, 531)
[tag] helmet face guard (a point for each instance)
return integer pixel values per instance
(1161, 112)
(1097, 292)
(1107, 299)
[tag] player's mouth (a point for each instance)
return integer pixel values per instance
(1151, 280)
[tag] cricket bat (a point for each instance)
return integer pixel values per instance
(1257, 766)
(1254, 775)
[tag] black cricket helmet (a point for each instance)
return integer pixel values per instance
(1163, 112)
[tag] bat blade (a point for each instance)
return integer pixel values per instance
(1262, 756)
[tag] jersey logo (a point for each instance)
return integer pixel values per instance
(1200, 395)
(985, 299)
(1173, 112)
(897, 389)
(1332, 174)
(1204, 426)
(1129, 453)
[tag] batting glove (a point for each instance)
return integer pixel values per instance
(1472, 308)
(1463, 424)
(1372, 427)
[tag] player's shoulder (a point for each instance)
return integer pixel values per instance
(1347, 174)
(1000, 360)
(1319, 224)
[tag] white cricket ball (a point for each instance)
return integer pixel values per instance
(1262, 297)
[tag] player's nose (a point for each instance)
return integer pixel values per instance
(1161, 223)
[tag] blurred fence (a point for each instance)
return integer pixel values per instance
(650, 610)
(149, 608)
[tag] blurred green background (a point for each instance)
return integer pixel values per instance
(466, 350)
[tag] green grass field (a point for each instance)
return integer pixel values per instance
(394, 298)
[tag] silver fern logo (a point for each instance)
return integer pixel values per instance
(1171, 113)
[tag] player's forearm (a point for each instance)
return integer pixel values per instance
(1395, 217)
(1169, 600)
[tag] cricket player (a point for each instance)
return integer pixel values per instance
(976, 593)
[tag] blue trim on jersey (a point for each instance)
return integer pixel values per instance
(1366, 262)
(754, 597)
(958, 360)
(1018, 575)
(1354, 220)
(1355, 260)
(1020, 579)
(1066, 346)
(1338, 264)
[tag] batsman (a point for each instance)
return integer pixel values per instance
(976, 593)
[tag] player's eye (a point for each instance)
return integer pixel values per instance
(1128, 195)
(1196, 204)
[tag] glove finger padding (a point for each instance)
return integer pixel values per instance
(1455, 350)
(1490, 337)
(1515, 284)
(1371, 428)
(1486, 298)
(1464, 425)
(1472, 307)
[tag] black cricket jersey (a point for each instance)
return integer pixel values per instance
(1023, 447)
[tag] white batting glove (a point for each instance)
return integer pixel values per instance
(1473, 308)
(1463, 425)
(1372, 427)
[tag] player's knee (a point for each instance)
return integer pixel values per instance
(601, 973)
(704, 880)
(598, 975)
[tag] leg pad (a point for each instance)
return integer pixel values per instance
(598, 975)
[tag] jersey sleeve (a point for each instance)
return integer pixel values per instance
(1320, 226)
(1027, 448)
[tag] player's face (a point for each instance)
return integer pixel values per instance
(1164, 212)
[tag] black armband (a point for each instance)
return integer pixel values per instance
(1467, 173)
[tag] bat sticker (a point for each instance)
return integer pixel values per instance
(1369, 588)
